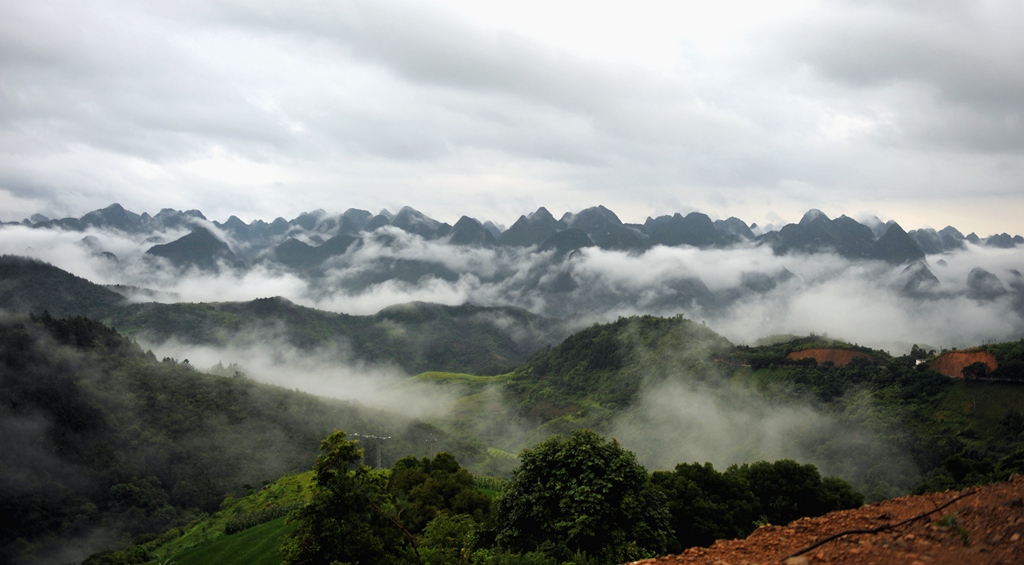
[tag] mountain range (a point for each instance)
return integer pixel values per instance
(312, 237)
(584, 265)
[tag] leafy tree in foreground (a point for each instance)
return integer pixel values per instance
(582, 495)
(787, 490)
(706, 504)
(426, 487)
(344, 521)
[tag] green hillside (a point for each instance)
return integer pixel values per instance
(417, 337)
(957, 432)
(31, 286)
(256, 546)
(249, 529)
(112, 440)
(113, 443)
(601, 369)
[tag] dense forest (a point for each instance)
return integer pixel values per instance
(413, 337)
(578, 499)
(104, 440)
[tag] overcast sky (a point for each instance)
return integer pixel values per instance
(911, 109)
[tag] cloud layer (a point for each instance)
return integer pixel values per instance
(744, 293)
(272, 108)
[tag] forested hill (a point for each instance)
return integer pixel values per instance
(29, 285)
(416, 337)
(673, 389)
(604, 367)
(100, 439)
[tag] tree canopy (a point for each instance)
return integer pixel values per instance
(341, 524)
(582, 495)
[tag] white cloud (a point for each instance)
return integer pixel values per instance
(859, 301)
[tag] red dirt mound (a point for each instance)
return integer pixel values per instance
(952, 364)
(982, 525)
(837, 356)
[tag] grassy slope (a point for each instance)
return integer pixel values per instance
(206, 542)
(255, 546)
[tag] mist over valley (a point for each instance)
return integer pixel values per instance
(867, 282)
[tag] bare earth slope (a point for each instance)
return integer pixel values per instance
(836, 356)
(952, 364)
(990, 519)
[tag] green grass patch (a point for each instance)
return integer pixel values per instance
(465, 378)
(286, 492)
(462, 384)
(500, 454)
(256, 546)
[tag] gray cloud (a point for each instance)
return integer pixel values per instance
(949, 73)
(328, 372)
(269, 108)
(679, 421)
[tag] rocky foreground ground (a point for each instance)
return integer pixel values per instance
(979, 525)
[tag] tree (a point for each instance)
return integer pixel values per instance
(448, 540)
(787, 490)
(976, 370)
(425, 487)
(582, 495)
(706, 504)
(343, 521)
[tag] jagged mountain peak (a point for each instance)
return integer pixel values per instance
(984, 285)
(234, 222)
(541, 215)
(469, 231)
(308, 220)
(952, 232)
(815, 232)
(113, 216)
(199, 248)
(897, 247)
(812, 215)
(530, 230)
(415, 222)
(895, 228)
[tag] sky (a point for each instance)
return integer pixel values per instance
(910, 110)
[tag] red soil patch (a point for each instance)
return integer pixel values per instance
(952, 364)
(986, 526)
(838, 357)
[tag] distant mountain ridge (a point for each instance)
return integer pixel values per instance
(815, 232)
(414, 337)
(538, 263)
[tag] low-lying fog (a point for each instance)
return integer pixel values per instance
(327, 372)
(676, 420)
(859, 301)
